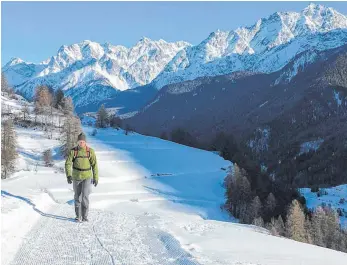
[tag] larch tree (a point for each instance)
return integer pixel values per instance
(295, 225)
(333, 227)
(258, 221)
(318, 219)
(43, 102)
(58, 100)
(255, 209)
(71, 129)
(4, 84)
(271, 226)
(8, 148)
(279, 225)
(68, 106)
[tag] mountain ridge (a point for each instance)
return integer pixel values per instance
(93, 73)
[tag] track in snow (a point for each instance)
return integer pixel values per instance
(108, 238)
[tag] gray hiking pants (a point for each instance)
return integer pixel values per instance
(82, 190)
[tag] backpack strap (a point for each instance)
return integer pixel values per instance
(75, 151)
(88, 151)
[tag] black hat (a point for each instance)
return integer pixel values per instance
(81, 136)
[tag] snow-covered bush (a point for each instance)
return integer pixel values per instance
(94, 132)
(47, 158)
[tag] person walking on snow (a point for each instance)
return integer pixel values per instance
(82, 170)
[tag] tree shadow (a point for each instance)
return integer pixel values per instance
(28, 201)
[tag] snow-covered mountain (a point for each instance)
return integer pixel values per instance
(266, 47)
(92, 73)
(89, 71)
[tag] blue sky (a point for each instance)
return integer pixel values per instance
(34, 31)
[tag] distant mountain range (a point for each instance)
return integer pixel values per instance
(126, 78)
(90, 72)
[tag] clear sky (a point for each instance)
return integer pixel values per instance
(34, 31)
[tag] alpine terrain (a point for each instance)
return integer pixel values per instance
(229, 151)
(157, 203)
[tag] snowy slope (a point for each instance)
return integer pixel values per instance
(15, 104)
(267, 46)
(335, 196)
(89, 71)
(157, 203)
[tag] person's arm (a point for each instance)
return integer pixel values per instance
(68, 164)
(94, 165)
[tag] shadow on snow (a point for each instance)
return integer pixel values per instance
(28, 201)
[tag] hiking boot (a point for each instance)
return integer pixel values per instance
(85, 219)
(78, 219)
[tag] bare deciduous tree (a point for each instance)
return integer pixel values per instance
(25, 111)
(68, 105)
(8, 148)
(71, 129)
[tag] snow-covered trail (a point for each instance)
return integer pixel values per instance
(109, 238)
(157, 203)
(120, 230)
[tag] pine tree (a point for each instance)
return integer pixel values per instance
(242, 213)
(237, 172)
(8, 148)
(255, 209)
(68, 106)
(270, 205)
(258, 221)
(279, 225)
(318, 217)
(308, 231)
(333, 227)
(238, 192)
(102, 118)
(4, 84)
(58, 101)
(295, 226)
(271, 226)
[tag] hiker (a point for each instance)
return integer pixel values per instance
(82, 170)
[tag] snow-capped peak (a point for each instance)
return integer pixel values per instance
(321, 18)
(266, 46)
(88, 63)
(14, 61)
(144, 40)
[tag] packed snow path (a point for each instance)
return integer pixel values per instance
(107, 238)
(157, 203)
